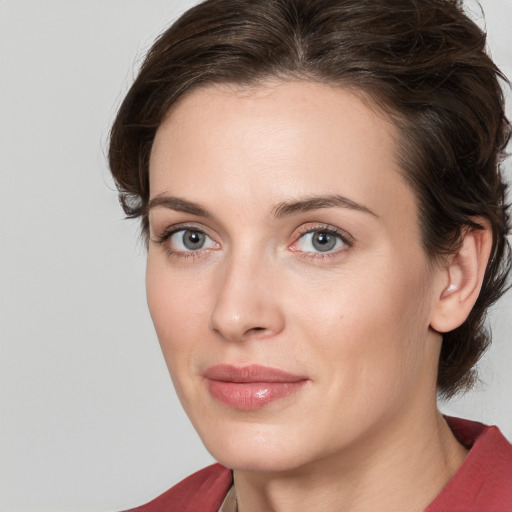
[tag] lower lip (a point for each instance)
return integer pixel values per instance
(249, 396)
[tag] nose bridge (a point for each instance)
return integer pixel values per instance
(245, 303)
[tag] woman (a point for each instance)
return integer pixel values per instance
(318, 183)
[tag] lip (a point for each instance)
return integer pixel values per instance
(251, 387)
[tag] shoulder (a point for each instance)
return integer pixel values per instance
(203, 491)
(484, 481)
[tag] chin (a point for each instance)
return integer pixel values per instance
(259, 461)
(258, 448)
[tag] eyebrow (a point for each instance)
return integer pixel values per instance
(283, 209)
(179, 205)
(287, 208)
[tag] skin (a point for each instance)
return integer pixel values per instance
(356, 321)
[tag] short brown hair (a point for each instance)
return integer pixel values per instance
(423, 62)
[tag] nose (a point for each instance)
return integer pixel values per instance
(248, 300)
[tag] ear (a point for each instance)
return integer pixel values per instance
(460, 280)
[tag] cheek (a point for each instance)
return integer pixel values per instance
(175, 306)
(176, 309)
(369, 329)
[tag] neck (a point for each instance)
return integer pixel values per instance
(402, 466)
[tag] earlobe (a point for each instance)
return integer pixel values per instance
(461, 279)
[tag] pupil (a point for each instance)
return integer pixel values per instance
(193, 239)
(323, 242)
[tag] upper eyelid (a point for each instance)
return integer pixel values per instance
(175, 228)
(344, 235)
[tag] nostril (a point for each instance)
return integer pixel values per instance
(254, 330)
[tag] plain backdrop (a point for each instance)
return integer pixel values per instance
(88, 417)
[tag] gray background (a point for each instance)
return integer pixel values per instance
(89, 420)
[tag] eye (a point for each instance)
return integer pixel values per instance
(186, 240)
(320, 240)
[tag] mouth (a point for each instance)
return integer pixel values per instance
(251, 387)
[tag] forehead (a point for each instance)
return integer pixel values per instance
(279, 106)
(280, 138)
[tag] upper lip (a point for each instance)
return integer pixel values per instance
(250, 373)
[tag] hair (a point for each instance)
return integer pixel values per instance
(423, 62)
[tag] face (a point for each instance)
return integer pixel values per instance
(285, 276)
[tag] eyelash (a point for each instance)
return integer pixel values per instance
(167, 234)
(346, 240)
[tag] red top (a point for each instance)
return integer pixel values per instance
(482, 484)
